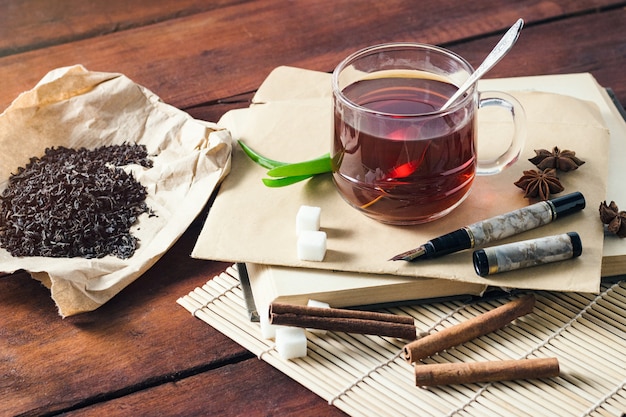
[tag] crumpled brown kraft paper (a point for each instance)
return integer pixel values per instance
(74, 107)
(291, 121)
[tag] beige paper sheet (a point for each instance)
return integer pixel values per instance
(74, 107)
(291, 121)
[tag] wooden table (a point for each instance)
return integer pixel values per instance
(142, 354)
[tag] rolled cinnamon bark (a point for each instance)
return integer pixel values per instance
(467, 373)
(468, 330)
(343, 320)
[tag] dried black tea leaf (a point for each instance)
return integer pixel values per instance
(74, 203)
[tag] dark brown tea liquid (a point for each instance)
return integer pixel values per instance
(398, 170)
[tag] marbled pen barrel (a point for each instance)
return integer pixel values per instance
(505, 225)
(527, 253)
(511, 224)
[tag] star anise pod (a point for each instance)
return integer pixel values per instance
(562, 160)
(540, 184)
(613, 218)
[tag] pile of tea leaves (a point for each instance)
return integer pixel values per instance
(74, 203)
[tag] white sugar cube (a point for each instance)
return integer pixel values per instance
(268, 330)
(290, 342)
(315, 303)
(311, 245)
(308, 218)
(319, 304)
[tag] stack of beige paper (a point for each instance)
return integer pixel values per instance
(73, 107)
(290, 120)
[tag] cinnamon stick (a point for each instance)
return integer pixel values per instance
(468, 330)
(467, 373)
(343, 320)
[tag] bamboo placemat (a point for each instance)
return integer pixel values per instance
(366, 375)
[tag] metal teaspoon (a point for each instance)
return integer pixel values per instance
(496, 54)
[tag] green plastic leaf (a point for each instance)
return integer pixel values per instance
(284, 181)
(260, 159)
(293, 172)
(312, 167)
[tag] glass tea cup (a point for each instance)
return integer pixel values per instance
(398, 158)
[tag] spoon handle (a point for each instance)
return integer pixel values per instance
(496, 54)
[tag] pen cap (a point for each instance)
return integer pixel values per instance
(577, 244)
(568, 204)
(527, 253)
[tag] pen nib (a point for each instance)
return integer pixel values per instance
(410, 255)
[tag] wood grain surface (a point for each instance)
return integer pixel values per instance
(141, 353)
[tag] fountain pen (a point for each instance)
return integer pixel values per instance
(496, 228)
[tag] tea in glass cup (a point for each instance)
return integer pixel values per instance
(396, 156)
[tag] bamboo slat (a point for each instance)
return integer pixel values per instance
(365, 375)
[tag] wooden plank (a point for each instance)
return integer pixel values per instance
(249, 388)
(48, 363)
(577, 44)
(142, 337)
(227, 51)
(35, 24)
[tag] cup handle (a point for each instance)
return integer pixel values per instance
(510, 103)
